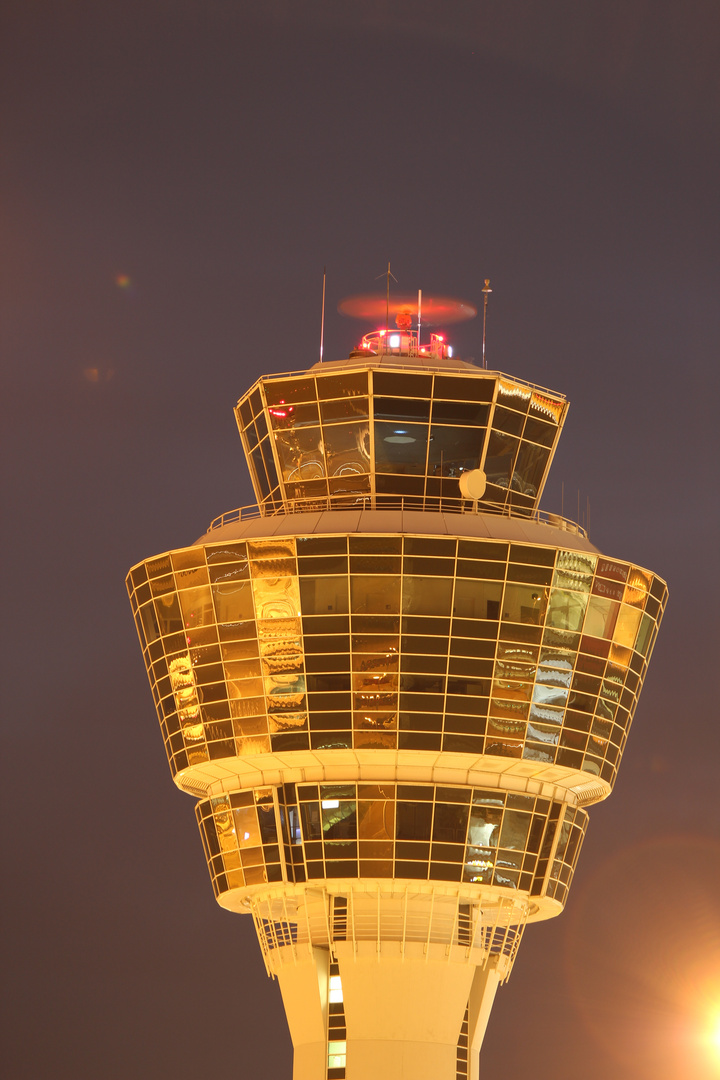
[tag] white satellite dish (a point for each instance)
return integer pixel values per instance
(473, 484)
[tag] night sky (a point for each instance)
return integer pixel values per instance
(175, 175)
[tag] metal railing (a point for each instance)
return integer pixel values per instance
(469, 932)
(408, 503)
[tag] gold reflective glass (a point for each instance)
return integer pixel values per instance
(373, 595)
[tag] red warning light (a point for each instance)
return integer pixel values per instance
(282, 414)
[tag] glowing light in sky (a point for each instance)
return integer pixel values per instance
(123, 281)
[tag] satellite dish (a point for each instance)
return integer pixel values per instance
(473, 484)
(435, 309)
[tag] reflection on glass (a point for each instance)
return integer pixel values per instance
(300, 454)
(529, 468)
(347, 447)
(601, 616)
(349, 408)
(627, 626)
(184, 688)
(484, 828)
(500, 458)
(566, 610)
(574, 570)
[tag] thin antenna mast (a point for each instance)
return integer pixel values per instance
(419, 315)
(388, 274)
(322, 319)
(486, 292)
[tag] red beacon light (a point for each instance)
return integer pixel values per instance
(403, 343)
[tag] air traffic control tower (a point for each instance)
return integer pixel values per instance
(394, 686)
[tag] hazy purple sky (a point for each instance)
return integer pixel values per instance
(174, 177)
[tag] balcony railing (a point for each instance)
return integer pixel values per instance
(396, 502)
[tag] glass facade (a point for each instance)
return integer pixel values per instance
(423, 832)
(382, 435)
(392, 642)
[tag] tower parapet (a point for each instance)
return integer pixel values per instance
(394, 701)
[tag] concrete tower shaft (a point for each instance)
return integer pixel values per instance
(394, 703)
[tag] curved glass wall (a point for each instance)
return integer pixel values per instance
(430, 643)
(382, 435)
(424, 832)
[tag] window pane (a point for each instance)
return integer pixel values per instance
(300, 454)
(524, 604)
(347, 449)
(453, 450)
(426, 596)
(529, 468)
(500, 458)
(324, 595)
(400, 448)
(375, 595)
(336, 386)
(278, 392)
(601, 617)
(566, 610)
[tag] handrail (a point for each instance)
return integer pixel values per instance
(409, 503)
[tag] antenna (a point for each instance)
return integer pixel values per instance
(419, 316)
(486, 292)
(322, 319)
(388, 274)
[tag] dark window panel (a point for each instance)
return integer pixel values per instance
(352, 384)
(375, 545)
(427, 625)
(284, 391)
(401, 384)
(440, 546)
(375, 564)
(322, 545)
(458, 388)
(419, 721)
(412, 740)
(326, 624)
(401, 409)
(537, 431)
(427, 645)
(460, 413)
